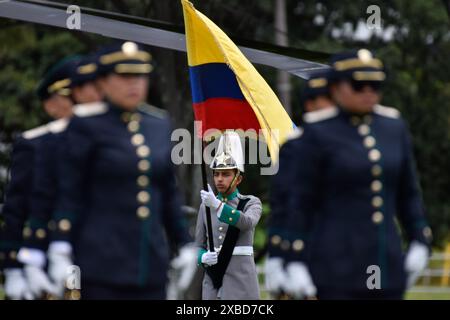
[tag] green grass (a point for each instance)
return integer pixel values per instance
(427, 296)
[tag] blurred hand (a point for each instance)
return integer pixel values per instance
(275, 275)
(186, 263)
(416, 261)
(16, 286)
(59, 263)
(299, 283)
(38, 281)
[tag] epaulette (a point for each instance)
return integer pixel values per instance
(58, 125)
(36, 132)
(320, 115)
(154, 111)
(294, 134)
(89, 109)
(386, 111)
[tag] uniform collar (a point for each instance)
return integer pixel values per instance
(229, 197)
(356, 118)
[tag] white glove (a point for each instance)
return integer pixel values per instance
(299, 283)
(416, 261)
(209, 258)
(16, 286)
(209, 198)
(38, 281)
(59, 263)
(275, 275)
(34, 261)
(186, 263)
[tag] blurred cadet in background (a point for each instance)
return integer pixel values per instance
(315, 96)
(53, 91)
(354, 177)
(118, 213)
(83, 92)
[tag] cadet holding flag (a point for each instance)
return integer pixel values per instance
(355, 176)
(230, 266)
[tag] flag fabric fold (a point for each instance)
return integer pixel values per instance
(227, 90)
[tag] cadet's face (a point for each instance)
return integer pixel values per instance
(319, 103)
(58, 106)
(223, 179)
(87, 93)
(355, 101)
(126, 91)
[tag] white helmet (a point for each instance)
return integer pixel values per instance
(229, 153)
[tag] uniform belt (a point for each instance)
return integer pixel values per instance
(241, 251)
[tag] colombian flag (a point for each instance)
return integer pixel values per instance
(227, 91)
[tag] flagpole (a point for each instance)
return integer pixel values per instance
(208, 210)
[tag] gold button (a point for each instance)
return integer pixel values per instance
(143, 181)
(374, 155)
(224, 200)
(427, 232)
(230, 219)
(377, 217)
(135, 117)
(143, 212)
(64, 225)
(363, 129)
(285, 245)
(133, 126)
(137, 139)
(276, 240)
(377, 201)
(355, 120)
(41, 234)
(220, 237)
(220, 228)
(74, 295)
(143, 165)
(125, 116)
(143, 151)
(369, 142)
(143, 196)
(233, 211)
(376, 186)
(27, 232)
(298, 245)
(13, 255)
(376, 170)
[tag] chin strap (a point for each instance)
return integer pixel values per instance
(233, 182)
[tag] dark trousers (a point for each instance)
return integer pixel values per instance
(95, 291)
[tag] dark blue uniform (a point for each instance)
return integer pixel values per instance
(354, 178)
(44, 188)
(279, 197)
(282, 182)
(119, 205)
(17, 205)
(43, 194)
